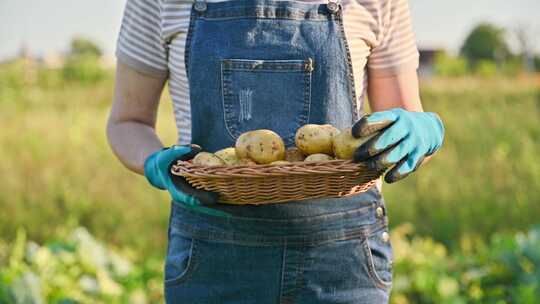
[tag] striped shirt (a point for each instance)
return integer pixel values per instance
(379, 34)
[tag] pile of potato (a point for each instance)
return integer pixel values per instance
(313, 142)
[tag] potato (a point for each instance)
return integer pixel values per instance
(246, 161)
(318, 157)
(333, 130)
(228, 155)
(241, 144)
(207, 159)
(263, 146)
(280, 162)
(344, 144)
(313, 138)
(294, 154)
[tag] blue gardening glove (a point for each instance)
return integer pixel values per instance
(157, 168)
(405, 138)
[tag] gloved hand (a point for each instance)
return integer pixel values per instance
(404, 140)
(157, 168)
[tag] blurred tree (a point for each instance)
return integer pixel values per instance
(82, 47)
(525, 39)
(82, 63)
(485, 42)
(446, 65)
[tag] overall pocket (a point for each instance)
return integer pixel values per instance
(379, 258)
(180, 260)
(266, 94)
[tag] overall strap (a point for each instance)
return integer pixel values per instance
(333, 5)
(327, 1)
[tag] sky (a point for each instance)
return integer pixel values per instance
(48, 26)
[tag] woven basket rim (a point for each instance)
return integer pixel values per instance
(271, 183)
(299, 168)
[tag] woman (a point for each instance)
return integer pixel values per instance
(240, 65)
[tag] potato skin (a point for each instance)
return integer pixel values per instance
(294, 154)
(263, 146)
(207, 159)
(246, 161)
(318, 157)
(344, 144)
(241, 144)
(228, 155)
(333, 130)
(313, 138)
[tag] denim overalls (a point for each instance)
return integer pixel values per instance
(274, 64)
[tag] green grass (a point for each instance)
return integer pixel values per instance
(57, 169)
(486, 178)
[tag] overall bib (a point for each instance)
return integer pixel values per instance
(274, 64)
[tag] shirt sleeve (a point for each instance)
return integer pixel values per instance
(139, 43)
(396, 49)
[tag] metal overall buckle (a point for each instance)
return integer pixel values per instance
(333, 5)
(200, 5)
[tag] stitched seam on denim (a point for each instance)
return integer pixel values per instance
(328, 216)
(255, 70)
(225, 84)
(278, 65)
(299, 273)
(375, 278)
(189, 35)
(290, 68)
(255, 240)
(247, 60)
(267, 18)
(276, 5)
(190, 267)
(303, 117)
(288, 295)
(307, 96)
(350, 72)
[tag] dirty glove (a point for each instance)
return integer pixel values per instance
(404, 140)
(157, 168)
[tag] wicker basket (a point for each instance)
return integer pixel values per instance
(264, 184)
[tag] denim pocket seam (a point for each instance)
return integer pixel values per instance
(274, 65)
(225, 84)
(372, 272)
(190, 267)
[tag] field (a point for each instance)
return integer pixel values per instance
(58, 175)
